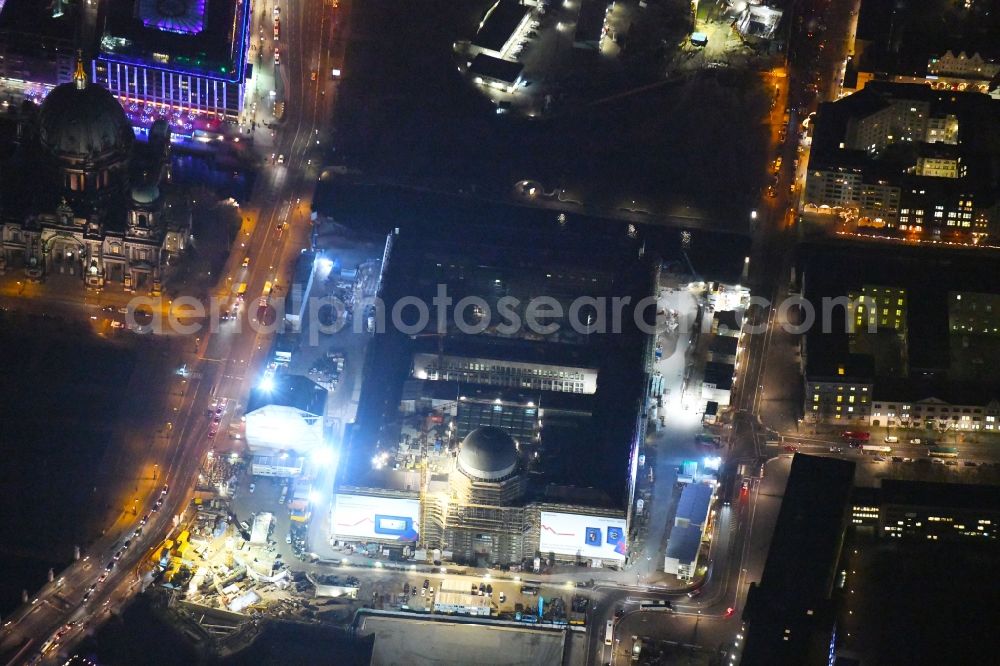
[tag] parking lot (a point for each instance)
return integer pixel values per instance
(417, 642)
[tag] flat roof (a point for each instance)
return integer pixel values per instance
(728, 319)
(684, 543)
(499, 24)
(795, 587)
(499, 69)
(208, 39)
(590, 24)
(492, 257)
(944, 495)
(290, 391)
(720, 374)
(724, 344)
(694, 502)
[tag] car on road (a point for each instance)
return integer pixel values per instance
(110, 566)
(915, 440)
(694, 593)
(288, 538)
(856, 435)
(277, 57)
(788, 448)
(164, 491)
(745, 488)
(119, 554)
(253, 487)
(313, 75)
(836, 449)
(144, 519)
(503, 597)
(970, 463)
(729, 612)
(158, 504)
(281, 158)
(277, 11)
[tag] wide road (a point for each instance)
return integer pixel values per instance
(229, 356)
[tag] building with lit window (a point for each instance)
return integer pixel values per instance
(81, 197)
(914, 353)
(878, 307)
(186, 62)
(974, 313)
(907, 161)
(929, 511)
(512, 374)
(514, 444)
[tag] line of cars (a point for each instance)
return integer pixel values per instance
(136, 533)
(216, 411)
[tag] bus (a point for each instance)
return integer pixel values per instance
(942, 452)
(609, 632)
(656, 605)
(530, 588)
(876, 449)
(241, 290)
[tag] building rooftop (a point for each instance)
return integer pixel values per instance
(719, 374)
(488, 66)
(694, 502)
(945, 495)
(488, 453)
(499, 24)
(480, 250)
(590, 24)
(728, 319)
(927, 274)
(208, 38)
(684, 542)
(789, 609)
(725, 345)
(287, 390)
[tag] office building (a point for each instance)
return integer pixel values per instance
(189, 66)
(790, 615)
(928, 511)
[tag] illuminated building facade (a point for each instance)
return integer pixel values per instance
(974, 313)
(928, 511)
(82, 197)
(183, 66)
(879, 307)
(908, 161)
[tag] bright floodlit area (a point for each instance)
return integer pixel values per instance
(419, 643)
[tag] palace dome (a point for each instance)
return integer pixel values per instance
(80, 120)
(487, 454)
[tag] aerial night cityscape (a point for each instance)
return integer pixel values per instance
(500, 332)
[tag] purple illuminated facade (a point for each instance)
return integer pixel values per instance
(167, 70)
(184, 17)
